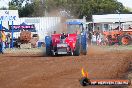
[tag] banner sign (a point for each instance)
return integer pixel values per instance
(8, 15)
(22, 26)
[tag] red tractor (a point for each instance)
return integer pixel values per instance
(66, 44)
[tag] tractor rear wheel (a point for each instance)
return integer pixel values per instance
(126, 40)
(77, 49)
(84, 52)
(84, 45)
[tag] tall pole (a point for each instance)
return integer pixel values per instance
(12, 34)
(93, 23)
(119, 21)
(1, 26)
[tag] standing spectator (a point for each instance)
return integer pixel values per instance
(3, 40)
(94, 38)
(97, 33)
(1, 43)
(89, 37)
(99, 39)
(8, 39)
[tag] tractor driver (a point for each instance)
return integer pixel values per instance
(63, 36)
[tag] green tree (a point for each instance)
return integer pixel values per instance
(26, 11)
(16, 4)
(82, 8)
(26, 8)
(3, 8)
(38, 8)
(76, 8)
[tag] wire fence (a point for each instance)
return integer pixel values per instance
(41, 51)
(25, 51)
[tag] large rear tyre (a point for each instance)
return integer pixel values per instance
(126, 40)
(84, 44)
(84, 52)
(77, 49)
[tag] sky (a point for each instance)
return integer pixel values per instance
(127, 3)
(4, 3)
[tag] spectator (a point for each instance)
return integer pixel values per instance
(1, 43)
(89, 37)
(99, 39)
(94, 38)
(3, 39)
(97, 33)
(8, 39)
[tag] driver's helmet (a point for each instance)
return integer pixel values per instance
(62, 35)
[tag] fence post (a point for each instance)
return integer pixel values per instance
(12, 34)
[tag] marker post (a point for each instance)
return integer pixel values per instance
(12, 34)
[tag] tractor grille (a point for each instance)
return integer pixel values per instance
(62, 50)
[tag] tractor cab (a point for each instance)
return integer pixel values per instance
(77, 31)
(75, 26)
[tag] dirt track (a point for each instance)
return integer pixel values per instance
(63, 71)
